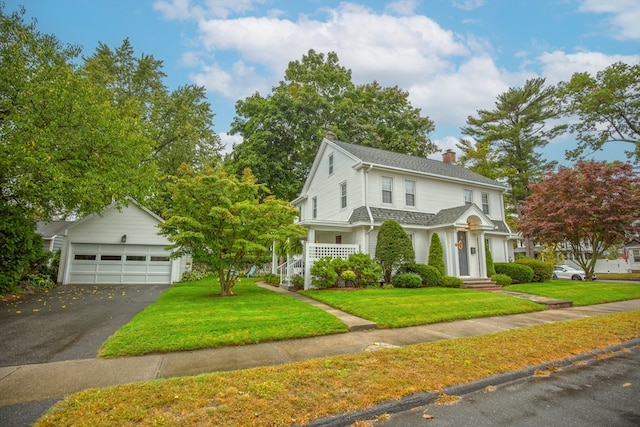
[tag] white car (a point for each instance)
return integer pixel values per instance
(569, 273)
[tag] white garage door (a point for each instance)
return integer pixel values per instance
(119, 264)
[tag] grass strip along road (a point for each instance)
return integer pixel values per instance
(298, 393)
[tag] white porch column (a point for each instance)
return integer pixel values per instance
(482, 256)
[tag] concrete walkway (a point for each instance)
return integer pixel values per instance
(38, 382)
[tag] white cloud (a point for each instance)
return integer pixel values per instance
(446, 143)
(559, 66)
(467, 4)
(229, 141)
(624, 19)
(183, 10)
(402, 7)
(237, 83)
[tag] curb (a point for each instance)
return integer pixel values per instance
(421, 399)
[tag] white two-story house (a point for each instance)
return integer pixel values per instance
(351, 190)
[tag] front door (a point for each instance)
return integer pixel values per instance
(463, 259)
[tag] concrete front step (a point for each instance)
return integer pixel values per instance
(481, 285)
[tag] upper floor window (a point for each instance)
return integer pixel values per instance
(330, 164)
(314, 208)
(343, 195)
(387, 189)
(468, 196)
(410, 193)
(485, 203)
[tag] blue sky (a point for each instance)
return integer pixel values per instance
(454, 57)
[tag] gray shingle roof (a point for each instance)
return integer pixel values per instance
(381, 214)
(444, 217)
(49, 229)
(424, 165)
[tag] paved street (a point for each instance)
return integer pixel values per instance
(605, 393)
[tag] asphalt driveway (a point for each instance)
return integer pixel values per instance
(68, 322)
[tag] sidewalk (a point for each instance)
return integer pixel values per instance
(31, 383)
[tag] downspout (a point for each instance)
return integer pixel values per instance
(366, 202)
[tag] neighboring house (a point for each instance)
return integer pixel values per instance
(351, 190)
(52, 234)
(118, 246)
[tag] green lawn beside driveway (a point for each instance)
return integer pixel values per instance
(581, 293)
(188, 317)
(399, 307)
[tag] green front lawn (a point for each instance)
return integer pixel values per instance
(397, 308)
(188, 317)
(581, 293)
(298, 393)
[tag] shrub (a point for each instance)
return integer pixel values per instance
(348, 276)
(323, 275)
(407, 280)
(429, 274)
(542, 271)
(193, 275)
(451, 282)
(297, 282)
(272, 279)
(436, 254)
(394, 249)
(501, 279)
(368, 273)
(519, 273)
(39, 282)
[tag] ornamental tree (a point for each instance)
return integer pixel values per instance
(436, 254)
(591, 207)
(394, 249)
(225, 221)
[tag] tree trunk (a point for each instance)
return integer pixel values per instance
(227, 281)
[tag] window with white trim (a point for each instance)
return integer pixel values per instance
(387, 189)
(314, 208)
(485, 203)
(410, 193)
(343, 195)
(468, 196)
(330, 164)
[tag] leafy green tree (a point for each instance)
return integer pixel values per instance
(21, 246)
(436, 254)
(607, 107)
(508, 138)
(282, 131)
(65, 147)
(225, 221)
(179, 122)
(394, 249)
(591, 207)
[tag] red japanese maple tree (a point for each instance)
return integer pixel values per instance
(591, 207)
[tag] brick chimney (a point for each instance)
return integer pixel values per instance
(449, 156)
(329, 135)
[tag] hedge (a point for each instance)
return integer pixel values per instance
(519, 273)
(542, 271)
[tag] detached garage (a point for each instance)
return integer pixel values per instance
(118, 246)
